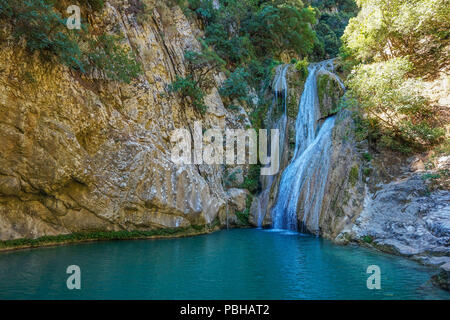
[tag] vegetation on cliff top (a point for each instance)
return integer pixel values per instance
(333, 17)
(40, 24)
(248, 36)
(392, 47)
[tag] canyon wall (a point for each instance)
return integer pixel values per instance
(80, 153)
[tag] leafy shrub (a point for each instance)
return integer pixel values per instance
(233, 49)
(394, 103)
(44, 31)
(235, 87)
(204, 9)
(199, 67)
(331, 25)
(368, 239)
(387, 29)
(187, 87)
(302, 66)
(367, 156)
(243, 216)
(108, 55)
(251, 180)
(200, 64)
(281, 27)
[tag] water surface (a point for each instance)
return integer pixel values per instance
(233, 264)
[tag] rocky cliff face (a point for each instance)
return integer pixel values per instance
(406, 214)
(82, 153)
(383, 199)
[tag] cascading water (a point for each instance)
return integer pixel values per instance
(302, 184)
(279, 86)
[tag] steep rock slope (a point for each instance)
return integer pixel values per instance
(82, 153)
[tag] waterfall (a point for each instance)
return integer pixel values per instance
(302, 184)
(279, 86)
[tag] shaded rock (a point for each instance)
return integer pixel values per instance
(238, 198)
(442, 279)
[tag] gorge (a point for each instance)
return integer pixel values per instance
(85, 155)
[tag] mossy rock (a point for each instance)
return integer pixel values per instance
(329, 92)
(354, 175)
(296, 83)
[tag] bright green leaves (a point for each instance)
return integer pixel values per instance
(395, 102)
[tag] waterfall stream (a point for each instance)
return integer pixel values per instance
(302, 184)
(279, 87)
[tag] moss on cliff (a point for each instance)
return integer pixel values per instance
(329, 93)
(23, 243)
(354, 175)
(296, 81)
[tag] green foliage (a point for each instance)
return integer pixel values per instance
(368, 239)
(367, 172)
(432, 176)
(204, 9)
(235, 87)
(199, 67)
(395, 102)
(302, 66)
(244, 215)
(244, 37)
(100, 235)
(202, 63)
(387, 29)
(391, 45)
(367, 156)
(187, 87)
(233, 49)
(248, 36)
(333, 19)
(251, 181)
(281, 26)
(108, 55)
(44, 30)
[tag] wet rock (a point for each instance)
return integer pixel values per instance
(329, 90)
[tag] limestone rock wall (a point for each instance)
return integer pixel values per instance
(344, 191)
(83, 154)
